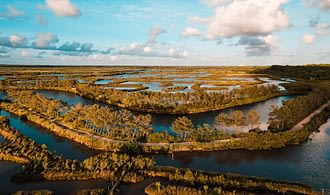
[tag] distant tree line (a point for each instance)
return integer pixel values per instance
(309, 72)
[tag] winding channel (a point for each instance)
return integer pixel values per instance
(308, 163)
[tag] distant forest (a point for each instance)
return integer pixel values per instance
(310, 72)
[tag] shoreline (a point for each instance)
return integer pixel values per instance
(107, 144)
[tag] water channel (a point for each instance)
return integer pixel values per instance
(308, 163)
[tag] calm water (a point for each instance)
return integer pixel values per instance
(308, 163)
(54, 143)
(8, 169)
(162, 122)
(2, 140)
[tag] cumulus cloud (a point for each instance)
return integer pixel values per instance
(11, 13)
(189, 31)
(197, 20)
(176, 53)
(25, 54)
(45, 41)
(40, 54)
(69, 46)
(114, 58)
(155, 31)
(247, 18)
(107, 51)
(4, 50)
(14, 41)
(86, 47)
(214, 3)
(41, 20)
(321, 4)
(320, 30)
(308, 38)
(63, 8)
(257, 46)
(147, 50)
(139, 50)
(324, 4)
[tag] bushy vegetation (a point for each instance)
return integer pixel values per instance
(201, 182)
(179, 103)
(310, 72)
(294, 110)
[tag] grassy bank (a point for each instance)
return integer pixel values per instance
(254, 140)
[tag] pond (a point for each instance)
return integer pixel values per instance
(103, 81)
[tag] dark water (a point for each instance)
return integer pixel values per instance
(69, 98)
(308, 163)
(54, 143)
(2, 140)
(8, 169)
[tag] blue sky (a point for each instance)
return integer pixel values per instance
(164, 32)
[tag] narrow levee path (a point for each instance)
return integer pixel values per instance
(306, 120)
(297, 127)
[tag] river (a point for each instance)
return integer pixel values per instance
(307, 163)
(162, 122)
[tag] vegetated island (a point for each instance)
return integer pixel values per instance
(106, 129)
(41, 164)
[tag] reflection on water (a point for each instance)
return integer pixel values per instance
(8, 169)
(103, 82)
(162, 122)
(308, 163)
(55, 144)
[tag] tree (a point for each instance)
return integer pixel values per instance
(183, 126)
(222, 119)
(237, 118)
(253, 118)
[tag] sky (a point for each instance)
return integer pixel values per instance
(164, 32)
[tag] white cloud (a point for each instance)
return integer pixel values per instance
(147, 50)
(155, 31)
(11, 12)
(45, 41)
(25, 54)
(134, 46)
(258, 46)
(18, 41)
(247, 17)
(114, 58)
(322, 29)
(185, 54)
(63, 8)
(189, 31)
(308, 38)
(14, 41)
(213, 3)
(197, 19)
(95, 57)
(324, 4)
(175, 53)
